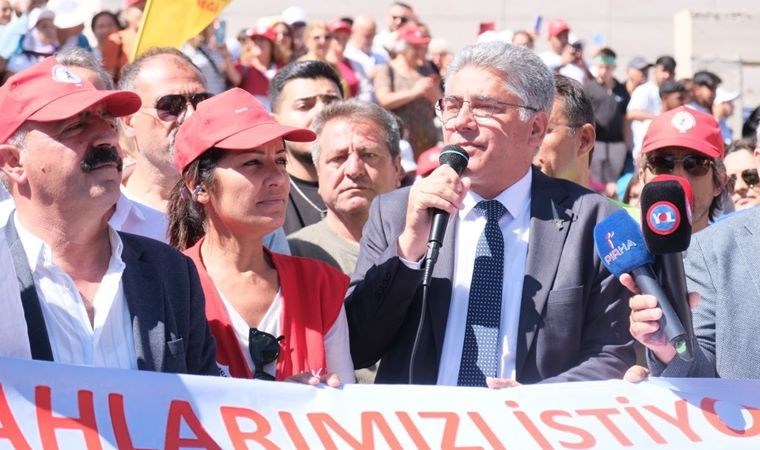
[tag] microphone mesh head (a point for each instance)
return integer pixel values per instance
(455, 157)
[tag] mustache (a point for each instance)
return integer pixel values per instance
(100, 155)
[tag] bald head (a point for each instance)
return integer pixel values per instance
(362, 32)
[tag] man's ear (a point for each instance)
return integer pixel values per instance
(125, 123)
(539, 125)
(399, 170)
(10, 163)
(588, 138)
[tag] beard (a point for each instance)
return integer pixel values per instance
(95, 157)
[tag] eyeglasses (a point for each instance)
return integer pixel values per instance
(694, 165)
(400, 19)
(749, 176)
(484, 108)
(264, 349)
(173, 105)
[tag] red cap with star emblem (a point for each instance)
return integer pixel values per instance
(687, 128)
(48, 91)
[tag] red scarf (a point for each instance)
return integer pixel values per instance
(312, 294)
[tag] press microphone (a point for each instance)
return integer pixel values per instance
(621, 248)
(666, 206)
(455, 157)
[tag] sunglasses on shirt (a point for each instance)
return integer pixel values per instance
(749, 176)
(175, 104)
(264, 349)
(694, 165)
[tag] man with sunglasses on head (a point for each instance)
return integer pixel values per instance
(90, 295)
(743, 180)
(687, 143)
(518, 294)
(720, 267)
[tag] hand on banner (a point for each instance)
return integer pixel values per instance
(501, 383)
(636, 374)
(316, 378)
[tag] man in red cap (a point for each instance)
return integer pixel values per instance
(720, 268)
(558, 36)
(687, 143)
(91, 295)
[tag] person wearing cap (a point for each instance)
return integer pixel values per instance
(409, 86)
(723, 109)
(257, 65)
(558, 32)
(610, 99)
(232, 192)
(357, 158)
(117, 49)
(645, 103)
(297, 94)
(687, 143)
(722, 276)
(357, 80)
(703, 90)
(296, 18)
(542, 308)
(11, 34)
(91, 295)
(40, 41)
(69, 20)
(672, 94)
(637, 73)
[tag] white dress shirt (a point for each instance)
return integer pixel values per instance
(134, 217)
(645, 97)
(108, 341)
(337, 349)
(515, 227)
(13, 333)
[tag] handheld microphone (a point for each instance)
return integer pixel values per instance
(621, 248)
(666, 205)
(455, 157)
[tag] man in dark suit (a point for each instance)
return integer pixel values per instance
(90, 295)
(518, 294)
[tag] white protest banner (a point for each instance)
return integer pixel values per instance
(51, 406)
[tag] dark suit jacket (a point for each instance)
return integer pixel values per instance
(573, 317)
(165, 301)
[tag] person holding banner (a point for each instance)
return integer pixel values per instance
(91, 295)
(543, 308)
(274, 316)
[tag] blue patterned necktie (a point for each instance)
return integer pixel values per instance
(481, 337)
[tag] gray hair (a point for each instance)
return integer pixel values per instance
(354, 110)
(524, 74)
(79, 57)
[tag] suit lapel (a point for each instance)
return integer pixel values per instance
(439, 297)
(549, 224)
(144, 295)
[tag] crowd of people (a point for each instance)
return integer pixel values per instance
(260, 208)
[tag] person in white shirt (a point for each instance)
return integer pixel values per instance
(91, 295)
(645, 103)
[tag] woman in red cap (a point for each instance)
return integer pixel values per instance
(409, 86)
(258, 65)
(273, 316)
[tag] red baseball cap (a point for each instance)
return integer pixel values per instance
(48, 91)
(413, 35)
(262, 31)
(428, 161)
(557, 26)
(685, 127)
(339, 25)
(232, 120)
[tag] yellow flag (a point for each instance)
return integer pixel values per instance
(170, 23)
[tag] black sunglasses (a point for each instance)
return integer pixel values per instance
(750, 177)
(175, 104)
(694, 165)
(264, 349)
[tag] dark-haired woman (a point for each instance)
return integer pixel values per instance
(273, 316)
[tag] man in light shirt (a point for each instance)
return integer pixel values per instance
(518, 294)
(91, 295)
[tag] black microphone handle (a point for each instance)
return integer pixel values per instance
(669, 323)
(435, 241)
(672, 278)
